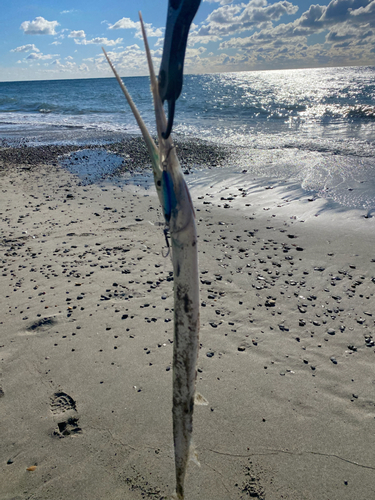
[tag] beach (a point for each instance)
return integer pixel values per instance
(287, 350)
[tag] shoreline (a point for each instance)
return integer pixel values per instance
(286, 359)
(127, 160)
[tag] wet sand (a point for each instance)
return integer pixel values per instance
(287, 350)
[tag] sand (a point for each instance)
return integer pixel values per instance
(286, 359)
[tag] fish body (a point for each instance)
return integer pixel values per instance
(179, 217)
(186, 340)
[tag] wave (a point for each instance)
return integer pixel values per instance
(360, 111)
(337, 111)
(47, 119)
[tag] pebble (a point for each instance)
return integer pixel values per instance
(270, 303)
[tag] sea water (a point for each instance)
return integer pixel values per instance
(312, 126)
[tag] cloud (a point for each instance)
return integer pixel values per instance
(150, 31)
(221, 2)
(77, 34)
(230, 19)
(193, 55)
(38, 56)
(64, 67)
(99, 41)
(131, 60)
(364, 14)
(346, 28)
(68, 11)
(26, 48)
(68, 66)
(126, 23)
(39, 26)
(241, 35)
(339, 10)
(159, 42)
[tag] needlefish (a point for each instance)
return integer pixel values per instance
(179, 218)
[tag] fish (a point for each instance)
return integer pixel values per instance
(179, 216)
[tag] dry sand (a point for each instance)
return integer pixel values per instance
(286, 360)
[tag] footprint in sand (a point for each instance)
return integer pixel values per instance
(70, 427)
(42, 323)
(62, 402)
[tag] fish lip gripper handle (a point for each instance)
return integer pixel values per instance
(179, 18)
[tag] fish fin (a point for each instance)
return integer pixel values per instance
(200, 400)
(151, 146)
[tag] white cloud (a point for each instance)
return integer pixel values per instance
(56, 43)
(193, 56)
(68, 11)
(66, 67)
(39, 26)
(241, 35)
(126, 23)
(34, 56)
(230, 19)
(77, 34)
(99, 41)
(194, 38)
(26, 48)
(221, 2)
(159, 42)
(192, 53)
(365, 14)
(150, 31)
(349, 38)
(132, 60)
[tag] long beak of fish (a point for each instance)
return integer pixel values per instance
(157, 154)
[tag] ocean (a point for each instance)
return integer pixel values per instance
(315, 127)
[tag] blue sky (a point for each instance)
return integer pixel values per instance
(45, 39)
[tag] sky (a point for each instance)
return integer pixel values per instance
(49, 39)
